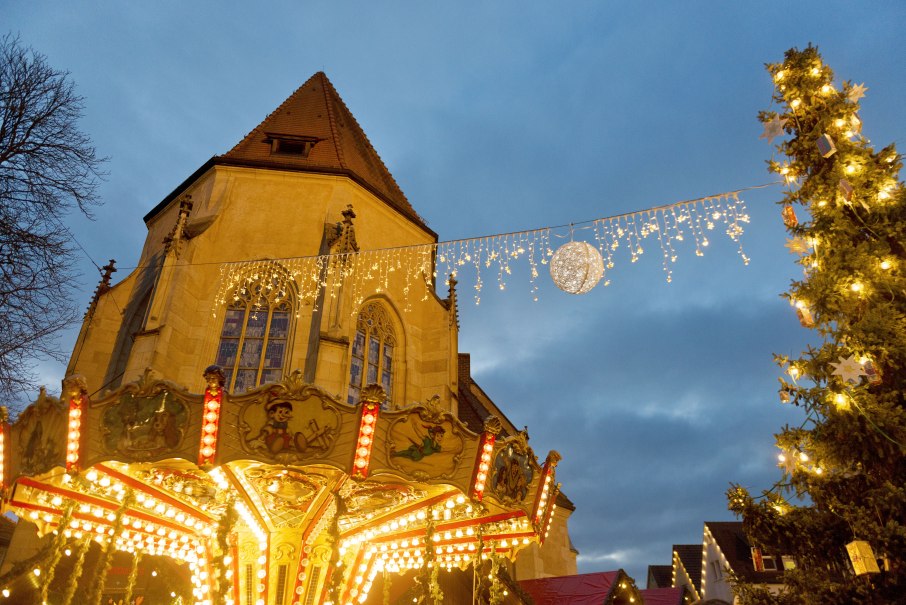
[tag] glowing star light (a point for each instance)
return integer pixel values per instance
(857, 92)
(797, 245)
(773, 128)
(849, 369)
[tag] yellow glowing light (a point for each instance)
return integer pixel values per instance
(827, 89)
(795, 103)
(886, 264)
(779, 75)
(856, 286)
(840, 399)
(850, 169)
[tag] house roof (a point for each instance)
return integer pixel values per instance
(660, 576)
(314, 117)
(690, 556)
(733, 543)
(584, 589)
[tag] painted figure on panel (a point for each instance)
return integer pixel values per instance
(425, 445)
(513, 470)
(429, 443)
(287, 434)
(144, 427)
(39, 428)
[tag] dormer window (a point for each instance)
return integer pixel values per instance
(290, 144)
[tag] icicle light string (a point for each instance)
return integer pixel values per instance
(313, 279)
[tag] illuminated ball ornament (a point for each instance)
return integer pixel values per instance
(577, 267)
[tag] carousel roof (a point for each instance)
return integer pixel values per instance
(285, 476)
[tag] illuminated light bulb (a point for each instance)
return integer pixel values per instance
(827, 89)
(781, 457)
(779, 75)
(803, 456)
(795, 103)
(36, 571)
(856, 286)
(840, 399)
(885, 264)
(818, 470)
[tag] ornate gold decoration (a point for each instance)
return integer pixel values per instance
(373, 393)
(492, 425)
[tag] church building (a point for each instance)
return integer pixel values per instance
(272, 408)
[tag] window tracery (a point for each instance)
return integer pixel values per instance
(256, 328)
(373, 350)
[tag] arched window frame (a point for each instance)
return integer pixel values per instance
(374, 352)
(258, 325)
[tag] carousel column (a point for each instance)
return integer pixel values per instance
(76, 388)
(210, 425)
(492, 428)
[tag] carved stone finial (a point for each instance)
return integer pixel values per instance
(554, 457)
(175, 239)
(452, 302)
(341, 236)
(373, 393)
(103, 286)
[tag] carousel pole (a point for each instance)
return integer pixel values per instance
(76, 571)
(107, 556)
(56, 551)
(133, 576)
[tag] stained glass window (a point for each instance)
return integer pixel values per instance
(372, 352)
(254, 337)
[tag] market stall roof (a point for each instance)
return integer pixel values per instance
(601, 588)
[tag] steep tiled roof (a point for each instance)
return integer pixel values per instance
(732, 541)
(660, 576)
(316, 111)
(314, 117)
(691, 557)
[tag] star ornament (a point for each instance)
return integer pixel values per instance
(849, 370)
(797, 245)
(857, 92)
(773, 128)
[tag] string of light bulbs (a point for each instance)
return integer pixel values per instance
(415, 268)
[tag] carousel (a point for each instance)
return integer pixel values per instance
(282, 495)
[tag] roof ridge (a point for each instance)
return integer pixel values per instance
(331, 118)
(361, 132)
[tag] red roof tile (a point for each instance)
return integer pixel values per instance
(315, 111)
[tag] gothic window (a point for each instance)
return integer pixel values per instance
(372, 352)
(255, 333)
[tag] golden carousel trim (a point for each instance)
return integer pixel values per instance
(244, 488)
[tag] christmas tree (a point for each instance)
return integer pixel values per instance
(838, 515)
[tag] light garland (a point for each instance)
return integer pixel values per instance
(313, 278)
